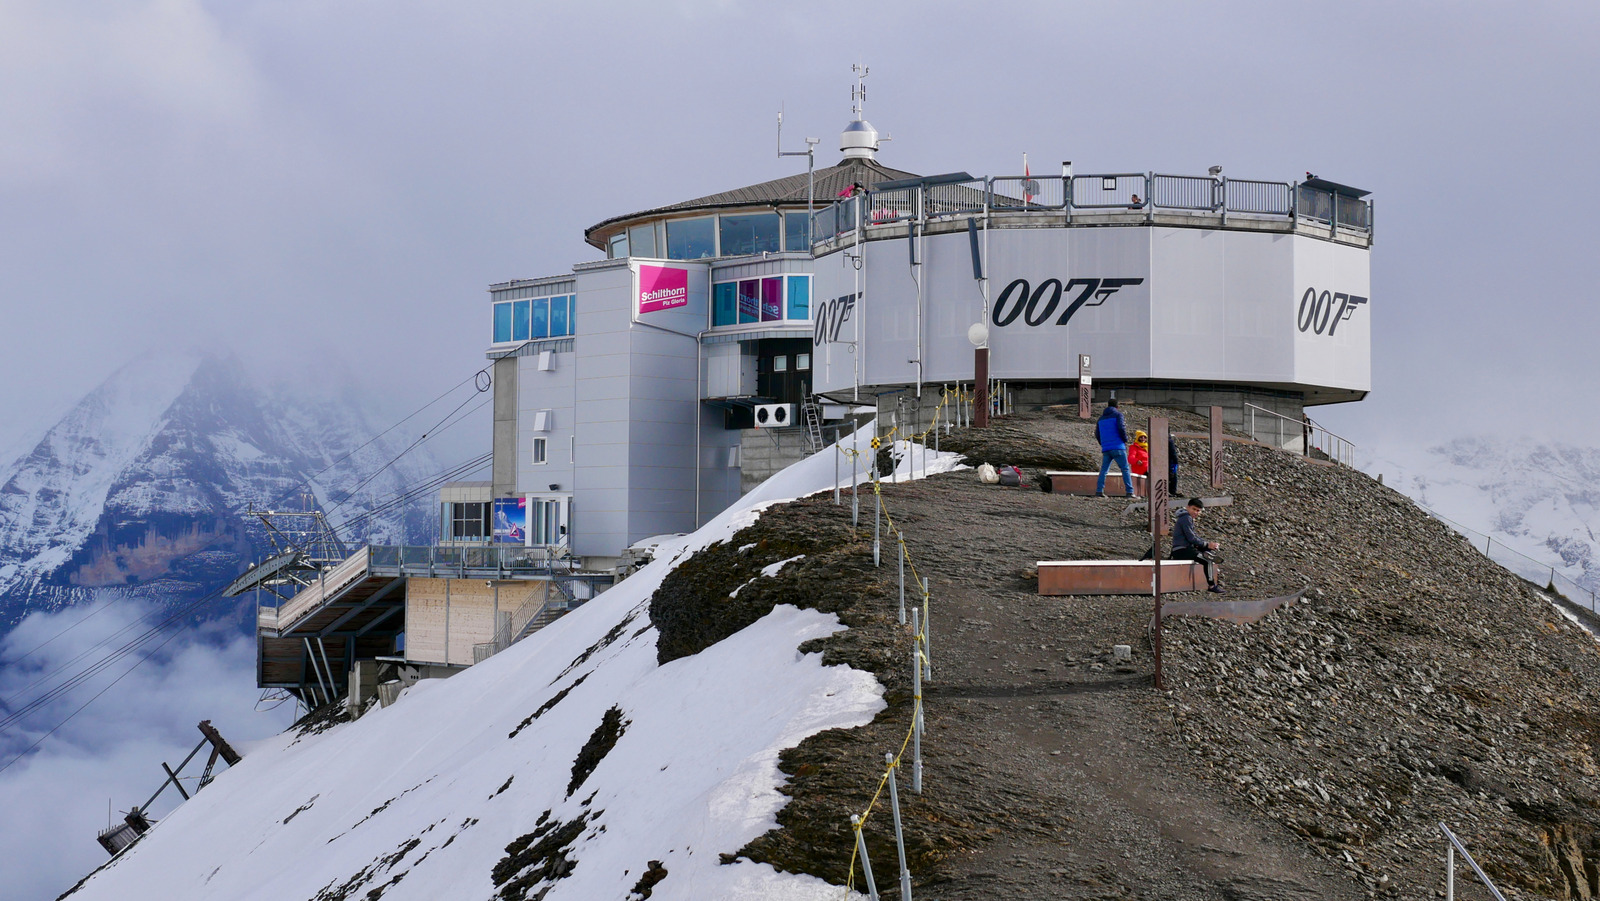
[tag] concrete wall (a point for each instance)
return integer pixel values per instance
(503, 471)
(764, 452)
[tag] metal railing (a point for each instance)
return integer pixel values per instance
(956, 198)
(1272, 198)
(1530, 569)
(543, 605)
(1099, 192)
(1326, 212)
(460, 561)
(892, 205)
(1022, 192)
(1450, 867)
(1185, 192)
(1301, 435)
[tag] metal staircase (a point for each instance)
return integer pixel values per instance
(557, 605)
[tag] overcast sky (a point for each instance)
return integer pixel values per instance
(336, 183)
(340, 181)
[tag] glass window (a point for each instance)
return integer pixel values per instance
(802, 361)
(559, 323)
(541, 318)
(691, 239)
(469, 520)
(519, 320)
(771, 299)
(749, 300)
(799, 297)
(642, 240)
(619, 246)
(725, 304)
(538, 451)
(502, 322)
(749, 233)
(780, 363)
(795, 233)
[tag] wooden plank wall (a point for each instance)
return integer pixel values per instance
(471, 611)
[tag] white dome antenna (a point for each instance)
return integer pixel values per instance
(859, 139)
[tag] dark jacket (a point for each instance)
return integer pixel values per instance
(1172, 453)
(1113, 434)
(1184, 534)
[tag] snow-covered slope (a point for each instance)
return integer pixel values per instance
(462, 789)
(1542, 500)
(140, 487)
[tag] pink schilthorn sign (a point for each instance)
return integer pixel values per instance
(662, 288)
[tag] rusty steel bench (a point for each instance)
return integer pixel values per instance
(1066, 577)
(1082, 483)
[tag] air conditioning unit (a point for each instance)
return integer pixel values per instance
(775, 416)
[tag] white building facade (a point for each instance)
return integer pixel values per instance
(626, 391)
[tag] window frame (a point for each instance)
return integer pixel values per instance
(730, 289)
(686, 221)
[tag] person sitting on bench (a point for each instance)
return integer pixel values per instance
(1188, 545)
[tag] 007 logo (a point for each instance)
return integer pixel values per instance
(1324, 311)
(1036, 306)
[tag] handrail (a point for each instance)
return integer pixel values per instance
(1450, 864)
(1321, 211)
(1340, 450)
(329, 583)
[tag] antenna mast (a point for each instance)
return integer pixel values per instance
(810, 153)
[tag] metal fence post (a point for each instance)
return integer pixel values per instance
(927, 622)
(899, 835)
(866, 862)
(836, 452)
(1449, 872)
(916, 712)
(877, 520)
(855, 501)
(902, 542)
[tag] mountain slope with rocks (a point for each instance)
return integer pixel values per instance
(708, 727)
(143, 487)
(1310, 755)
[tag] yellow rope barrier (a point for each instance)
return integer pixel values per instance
(919, 638)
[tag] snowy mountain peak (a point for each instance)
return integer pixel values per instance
(142, 484)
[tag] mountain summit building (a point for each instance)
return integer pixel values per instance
(637, 395)
(723, 337)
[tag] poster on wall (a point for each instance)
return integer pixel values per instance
(511, 520)
(662, 288)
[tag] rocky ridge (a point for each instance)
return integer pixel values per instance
(1309, 755)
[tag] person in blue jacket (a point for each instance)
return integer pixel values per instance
(1113, 436)
(1188, 545)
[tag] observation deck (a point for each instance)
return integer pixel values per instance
(938, 204)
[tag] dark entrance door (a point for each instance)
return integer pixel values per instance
(783, 369)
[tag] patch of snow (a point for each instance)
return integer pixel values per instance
(773, 569)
